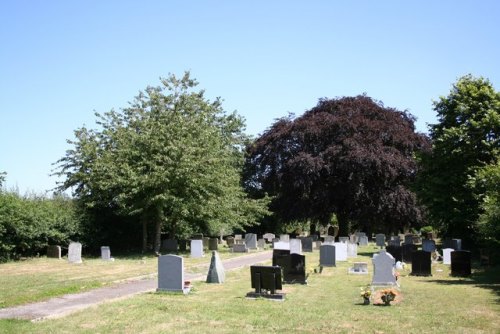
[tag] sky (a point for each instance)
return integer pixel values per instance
(61, 61)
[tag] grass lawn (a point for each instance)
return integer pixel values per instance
(330, 303)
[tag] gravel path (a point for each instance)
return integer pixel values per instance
(61, 306)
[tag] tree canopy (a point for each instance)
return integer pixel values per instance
(349, 156)
(172, 158)
(465, 139)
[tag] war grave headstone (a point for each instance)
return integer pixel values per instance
(251, 240)
(295, 246)
(327, 255)
(359, 268)
(421, 263)
(380, 240)
(266, 280)
(75, 252)
(395, 251)
(407, 252)
(344, 239)
(363, 240)
(230, 242)
(169, 245)
(197, 248)
(171, 273)
(352, 249)
(54, 252)
(106, 254)
(269, 237)
(383, 269)
(461, 263)
(240, 248)
(428, 245)
(456, 244)
(285, 237)
(447, 255)
(281, 245)
(340, 251)
(307, 244)
(216, 273)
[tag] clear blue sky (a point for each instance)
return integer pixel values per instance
(62, 60)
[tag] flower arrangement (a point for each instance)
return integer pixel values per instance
(388, 295)
(366, 292)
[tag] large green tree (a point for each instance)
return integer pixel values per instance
(465, 139)
(172, 158)
(349, 156)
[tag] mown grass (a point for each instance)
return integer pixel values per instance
(39, 279)
(330, 303)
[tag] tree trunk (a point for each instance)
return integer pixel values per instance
(144, 234)
(157, 241)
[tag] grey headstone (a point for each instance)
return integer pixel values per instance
(428, 245)
(251, 240)
(352, 249)
(171, 273)
(216, 273)
(327, 256)
(240, 248)
(54, 252)
(363, 240)
(197, 248)
(296, 246)
(380, 240)
(383, 269)
(261, 243)
(106, 253)
(230, 242)
(269, 237)
(340, 251)
(75, 252)
(213, 244)
(169, 245)
(307, 244)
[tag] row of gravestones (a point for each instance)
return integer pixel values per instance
(75, 252)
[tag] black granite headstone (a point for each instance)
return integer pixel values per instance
(461, 263)
(421, 263)
(395, 251)
(407, 251)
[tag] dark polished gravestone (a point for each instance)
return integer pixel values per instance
(280, 256)
(307, 244)
(266, 280)
(421, 263)
(395, 251)
(213, 244)
(169, 245)
(407, 252)
(293, 266)
(461, 263)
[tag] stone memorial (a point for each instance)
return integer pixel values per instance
(428, 245)
(269, 237)
(279, 257)
(285, 237)
(54, 252)
(240, 248)
(230, 242)
(447, 255)
(296, 272)
(352, 249)
(281, 245)
(75, 252)
(171, 273)
(383, 269)
(213, 244)
(266, 280)
(295, 246)
(197, 248)
(106, 254)
(421, 263)
(327, 255)
(307, 244)
(380, 240)
(408, 239)
(251, 240)
(340, 251)
(261, 243)
(359, 268)
(363, 240)
(205, 242)
(461, 263)
(216, 273)
(169, 245)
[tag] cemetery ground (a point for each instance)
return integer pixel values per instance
(329, 303)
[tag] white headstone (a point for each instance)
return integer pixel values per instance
(281, 245)
(75, 252)
(296, 246)
(197, 248)
(106, 253)
(447, 255)
(352, 249)
(383, 269)
(340, 251)
(171, 272)
(285, 237)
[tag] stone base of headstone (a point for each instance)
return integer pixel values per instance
(276, 297)
(359, 268)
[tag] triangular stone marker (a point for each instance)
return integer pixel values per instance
(216, 273)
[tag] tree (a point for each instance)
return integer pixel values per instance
(349, 156)
(172, 158)
(465, 139)
(2, 179)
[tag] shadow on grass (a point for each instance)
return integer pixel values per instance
(485, 278)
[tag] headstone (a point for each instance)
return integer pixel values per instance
(230, 242)
(363, 240)
(461, 263)
(278, 255)
(213, 244)
(285, 237)
(421, 263)
(383, 269)
(182, 245)
(266, 280)
(205, 242)
(317, 245)
(329, 239)
(353, 238)
(251, 240)
(197, 248)
(409, 239)
(295, 246)
(333, 230)
(340, 251)
(407, 252)
(396, 252)
(216, 273)
(281, 245)
(75, 252)
(327, 255)
(240, 248)
(394, 242)
(428, 245)
(352, 249)
(269, 237)
(261, 243)
(359, 268)
(297, 271)
(456, 244)
(106, 253)
(238, 237)
(307, 244)
(447, 255)
(54, 252)
(380, 240)
(169, 245)
(344, 239)
(171, 273)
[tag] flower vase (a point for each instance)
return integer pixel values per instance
(366, 301)
(386, 300)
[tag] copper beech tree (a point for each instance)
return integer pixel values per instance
(348, 156)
